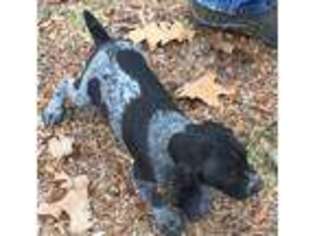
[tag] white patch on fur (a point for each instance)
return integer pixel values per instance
(118, 89)
(162, 126)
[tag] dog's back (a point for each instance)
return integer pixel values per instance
(137, 106)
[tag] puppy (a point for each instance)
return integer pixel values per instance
(175, 160)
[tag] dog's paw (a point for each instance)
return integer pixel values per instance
(52, 116)
(168, 221)
(196, 209)
(197, 205)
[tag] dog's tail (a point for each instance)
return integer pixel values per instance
(96, 29)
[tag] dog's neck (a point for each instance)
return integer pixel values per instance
(163, 126)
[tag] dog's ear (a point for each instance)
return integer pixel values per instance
(96, 29)
(189, 149)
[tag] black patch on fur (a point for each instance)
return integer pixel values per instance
(135, 130)
(94, 92)
(105, 77)
(77, 83)
(190, 157)
(134, 64)
(139, 112)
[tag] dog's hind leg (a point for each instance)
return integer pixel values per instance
(168, 220)
(66, 89)
(145, 188)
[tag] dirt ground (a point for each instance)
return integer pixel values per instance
(251, 69)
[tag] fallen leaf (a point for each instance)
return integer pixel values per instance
(75, 204)
(205, 88)
(163, 33)
(60, 146)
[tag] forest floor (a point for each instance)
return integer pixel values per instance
(240, 63)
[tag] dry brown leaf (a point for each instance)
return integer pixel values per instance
(75, 204)
(163, 33)
(205, 88)
(61, 146)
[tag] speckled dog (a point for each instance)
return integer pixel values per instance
(175, 159)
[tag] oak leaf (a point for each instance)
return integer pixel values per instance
(205, 88)
(161, 33)
(75, 204)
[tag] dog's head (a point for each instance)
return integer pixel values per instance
(212, 153)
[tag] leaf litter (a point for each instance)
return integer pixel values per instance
(252, 76)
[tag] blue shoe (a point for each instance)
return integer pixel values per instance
(256, 18)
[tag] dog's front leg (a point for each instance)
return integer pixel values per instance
(167, 219)
(66, 88)
(195, 201)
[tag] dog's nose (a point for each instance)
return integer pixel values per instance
(255, 183)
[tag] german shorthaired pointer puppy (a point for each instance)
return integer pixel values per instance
(175, 159)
